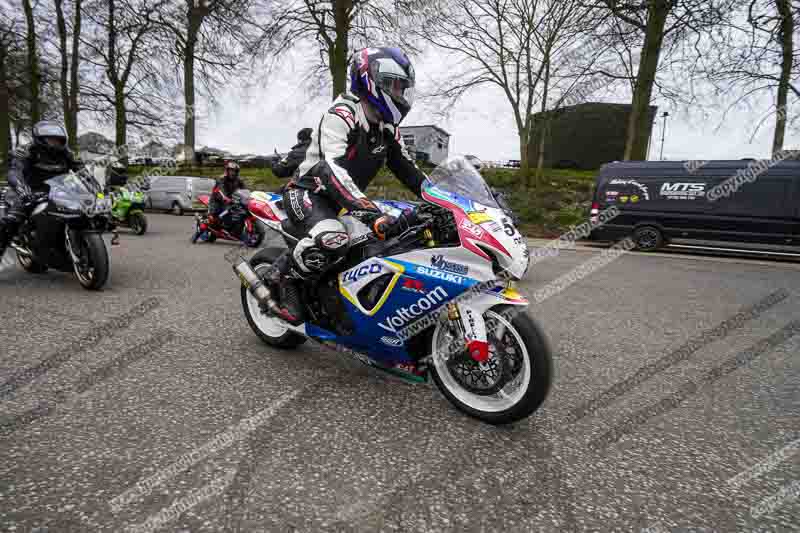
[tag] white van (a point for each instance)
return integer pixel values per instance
(178, 194)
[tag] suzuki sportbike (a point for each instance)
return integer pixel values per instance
(64, 230)
(243, 224)
(436, 301)
(127, 209)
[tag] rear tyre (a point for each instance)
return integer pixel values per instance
(93, 250)
(269, 329)
(520, 365)
(177, 210)
(138, 223)
(648, 238)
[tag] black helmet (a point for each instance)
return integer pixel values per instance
(50, 138)
(304, 134)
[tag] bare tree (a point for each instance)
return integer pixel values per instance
(756, 55)
(127, 90)
(338, 27)
(70, 60)
(526, 48)
(658, 21)
(209, 43)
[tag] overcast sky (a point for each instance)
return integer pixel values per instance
(268, 116)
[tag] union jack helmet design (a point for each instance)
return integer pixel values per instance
(385, 77)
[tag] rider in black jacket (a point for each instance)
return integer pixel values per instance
(354, 139)
(287, 166)
(30, 166)
(222, 195)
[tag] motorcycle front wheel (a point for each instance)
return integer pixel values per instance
(93, 272)
(511, 384)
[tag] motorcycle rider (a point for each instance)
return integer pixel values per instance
(353, 140)
(287, 166)
(30, 166)
(222, 195)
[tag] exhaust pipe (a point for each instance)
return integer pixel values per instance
(21, 250)
(255, 285)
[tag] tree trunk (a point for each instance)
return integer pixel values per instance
(787, 53)
(524, 136)
(74, 89)
(188, 100)
(338, 54)
(639, 120)
(63, 79)
(121, 120)
(197, 14)
(5, 112)
(33, 63)
(543, 122)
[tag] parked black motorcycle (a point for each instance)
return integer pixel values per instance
(64, 231)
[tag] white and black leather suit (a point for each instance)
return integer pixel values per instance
(345, 155)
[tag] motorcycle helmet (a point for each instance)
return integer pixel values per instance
(50, 140)
(386, 78)
(304, 134)
(231, 170)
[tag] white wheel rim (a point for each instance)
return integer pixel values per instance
(511, 393)
(268, 325)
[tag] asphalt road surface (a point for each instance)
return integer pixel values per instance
(151, 406)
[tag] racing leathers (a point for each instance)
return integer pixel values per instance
(29, 168)
(345, 155)
(222, 199)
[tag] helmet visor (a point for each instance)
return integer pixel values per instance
(401, 90)
(392, 79)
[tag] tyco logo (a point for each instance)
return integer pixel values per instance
(358, 273)
(404, 315)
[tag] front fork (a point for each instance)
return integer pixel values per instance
(466, 317)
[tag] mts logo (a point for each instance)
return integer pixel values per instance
(683, 187)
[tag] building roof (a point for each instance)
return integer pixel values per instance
(437, 128)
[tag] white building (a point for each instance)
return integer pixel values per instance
(430, 143)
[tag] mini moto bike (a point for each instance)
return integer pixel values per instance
(251, 233)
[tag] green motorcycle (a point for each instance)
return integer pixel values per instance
(127, 209)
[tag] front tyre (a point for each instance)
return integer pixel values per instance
(269, 329)
(93, 269)
(138, 223)
(511, 384)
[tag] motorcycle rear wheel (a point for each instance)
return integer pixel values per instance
(138, 223)
(269, 329)
(519, 348)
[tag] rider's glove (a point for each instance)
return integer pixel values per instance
(388, 226)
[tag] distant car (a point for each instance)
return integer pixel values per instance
(177, 193)
(477, 163)
(513, 163)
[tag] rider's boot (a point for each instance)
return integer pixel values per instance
(283, 280)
